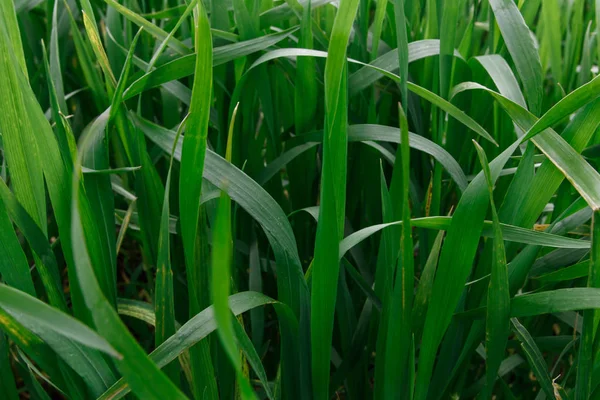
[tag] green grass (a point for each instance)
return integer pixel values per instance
(268, 199)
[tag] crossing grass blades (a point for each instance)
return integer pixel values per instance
(266, 199)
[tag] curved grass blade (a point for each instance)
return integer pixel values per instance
(509, 232)
(144, 312)
(28, 321)
(567, 105)
(503, 77)
(32, 344)
(584, 178)
(364, 133)
(99, 210)
(451, 110)
(151, 28)
(200, 326)
(252, 356)
(184, 66)
(417, 50)
(101, 200)
(33, 312)
(258, 203)
(534, 357)
(416, 89)
(523, 50)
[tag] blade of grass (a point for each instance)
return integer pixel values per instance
(498, 300)
(366, 133)
(47, 265)
(552, 36)
(447, 40)
(584, 178)
(510, 233)
(402, 42)
(13, 262)
(164, 307)
(424, 288)
(586, 350)
(200, 326)
(534, 358)
(184, 66)
(567, 105)
(258, 203)
(142, 374)
(154, 30)
(7, 379)
(302, 171)
(221, 279)
(418, 90)
(523, 50)
(27, 308)
(190, 188)
(454, 267)
(555, 301)
(399, 333)
(330, 228)
(19, 146)
(417, 50)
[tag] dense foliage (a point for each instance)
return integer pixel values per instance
(299, 199)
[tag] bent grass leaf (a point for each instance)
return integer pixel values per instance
(200, 326)
(523, 50)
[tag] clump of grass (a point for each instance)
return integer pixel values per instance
(299, 199)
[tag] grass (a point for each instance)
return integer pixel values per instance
(266, 199)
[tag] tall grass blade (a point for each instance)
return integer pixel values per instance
(330, 228)
(190, 187)
(586, 349)
(498, 301)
